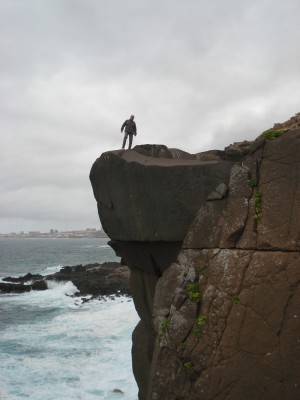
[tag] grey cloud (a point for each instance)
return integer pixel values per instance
(197, 75)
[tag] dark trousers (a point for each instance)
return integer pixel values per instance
(130, 134)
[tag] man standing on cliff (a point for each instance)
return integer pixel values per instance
(130, 130)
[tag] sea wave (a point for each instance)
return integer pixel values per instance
(70, 353)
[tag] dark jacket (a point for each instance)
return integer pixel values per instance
(129, 125)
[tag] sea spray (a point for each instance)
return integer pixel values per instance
(53, 345)
(58, 350)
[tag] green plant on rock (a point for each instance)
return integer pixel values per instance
(200, 322)
(272, 133)
(197, 331)
(194, 293)
(257, 217)
(183, 345)
(188, 365)
(258, 205)
(252, 182)
(202, 269)
(163, 328)
(235, 299)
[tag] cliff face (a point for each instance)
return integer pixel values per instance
(213, 243)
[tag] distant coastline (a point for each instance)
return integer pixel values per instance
(85, 233)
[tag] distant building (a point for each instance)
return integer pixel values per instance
(34, 233)
(86, 233)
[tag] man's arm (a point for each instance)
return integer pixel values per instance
(123, 126)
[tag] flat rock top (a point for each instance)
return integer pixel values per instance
(162, 160)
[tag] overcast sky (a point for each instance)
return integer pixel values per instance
(197, 74)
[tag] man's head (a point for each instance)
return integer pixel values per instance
(131, 116)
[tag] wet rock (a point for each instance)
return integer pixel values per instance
(25, 278)
(118, 391)
(14, 288)
(93, 279)
(39, 285)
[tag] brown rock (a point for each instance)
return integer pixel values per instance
(241, 342)
(213, 245)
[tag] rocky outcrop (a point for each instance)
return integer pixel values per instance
(145, 196)
(212, 241)
(98, 280)
(292, 123)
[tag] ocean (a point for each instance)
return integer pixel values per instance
(53, 346)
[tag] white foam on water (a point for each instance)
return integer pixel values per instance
(62, 287)
(74, 352)
(51, 270)
(58, 295)
(91, 246)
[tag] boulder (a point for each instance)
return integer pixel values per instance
(145, 198)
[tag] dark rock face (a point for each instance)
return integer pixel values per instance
(215, 266)
(155, 257)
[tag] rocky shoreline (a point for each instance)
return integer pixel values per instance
(97, 280)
